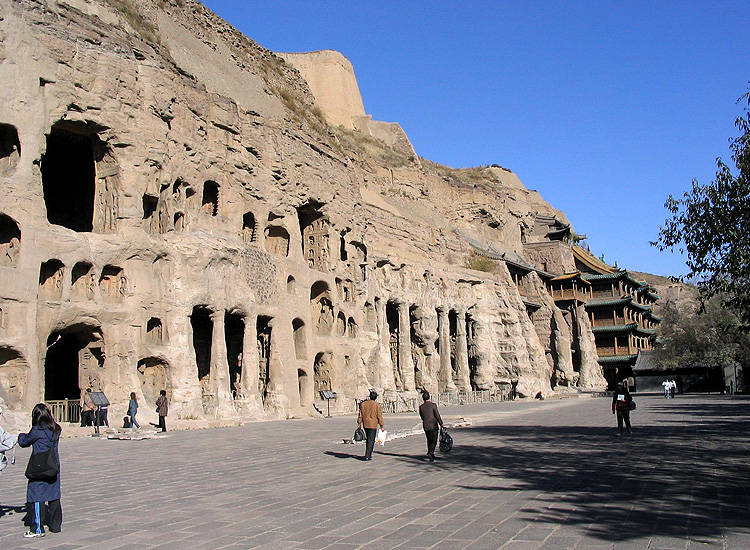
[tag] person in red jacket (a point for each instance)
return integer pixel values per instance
(621, 405)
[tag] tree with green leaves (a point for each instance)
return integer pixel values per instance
(711, 225)
(711, 338)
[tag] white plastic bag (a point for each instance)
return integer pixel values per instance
(380, 437)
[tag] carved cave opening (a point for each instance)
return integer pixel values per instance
(153, 374)
(342, 249)
(453, 332)
(13, 371)
(322, 371)
(10, 241)
(471, 327)
(263, 331)
(51, 275)
(69, 179)
(341, 324)
(203, 328)
(321, 307)
(150, 204)
(112, 283)
(83, 280)
(277, 240)
(352, 328)
(234, 336)
(291, 285)
(154, 331)
(416, 347)
(210, 202)
(391, 316)
(305, 388)
(300, 341)
(10, 148)
(74, 361)
(248, 227)
(314, 230)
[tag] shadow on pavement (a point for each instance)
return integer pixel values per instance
(10, 510)
(344, 455)
(685, 476)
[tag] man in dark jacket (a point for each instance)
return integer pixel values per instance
(621, 405)
(430, 416)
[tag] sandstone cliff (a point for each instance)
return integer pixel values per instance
(177, 212)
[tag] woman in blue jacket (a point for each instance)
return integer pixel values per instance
(133, 410)
(44, 434)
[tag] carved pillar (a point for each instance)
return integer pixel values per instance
(462, 352)
(250, 357)
(445, 376)
(405, 362)
(219, 364)
(275, 370)
(384, 370)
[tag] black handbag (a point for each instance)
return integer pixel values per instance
(446, 441)
(631, 406)
(359, 434)
(43, 466)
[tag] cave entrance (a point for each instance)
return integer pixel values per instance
(73, 361)
(203, 328)
(264, 354)
(234, 334)
(69, 180)
(391, 316)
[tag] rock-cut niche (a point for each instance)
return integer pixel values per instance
(321, 307)
(314, 227)
(80, 179)
(10, 241)
(10, 149)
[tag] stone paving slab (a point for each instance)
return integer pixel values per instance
(526, 475)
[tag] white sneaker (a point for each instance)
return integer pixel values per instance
(30, 535)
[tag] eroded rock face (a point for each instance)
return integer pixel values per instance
(172, 216)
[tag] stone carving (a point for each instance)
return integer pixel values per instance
(174, 199)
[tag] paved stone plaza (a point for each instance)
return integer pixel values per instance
(525, 476)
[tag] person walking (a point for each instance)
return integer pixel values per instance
(621, 405)
(370, 417)
(43, 436)
(162, 408)
(430, 416)
(87, 409)
(133, 410)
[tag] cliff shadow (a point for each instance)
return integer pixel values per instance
(684, 476)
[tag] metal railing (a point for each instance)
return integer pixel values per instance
(475, 396)
(410, 404)
(65, 410)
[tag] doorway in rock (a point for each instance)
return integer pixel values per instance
(264, 354)
(203, 328)
(391, 316)
(68, 180)
(453, 332)
(73, 361)
(305, 389)
(234, 334)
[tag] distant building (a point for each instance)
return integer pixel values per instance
(621, 314)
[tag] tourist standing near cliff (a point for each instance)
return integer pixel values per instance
(162, 409)
(43, 437)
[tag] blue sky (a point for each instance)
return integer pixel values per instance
(605, 108)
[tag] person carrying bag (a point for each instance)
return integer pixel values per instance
(43, 473)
